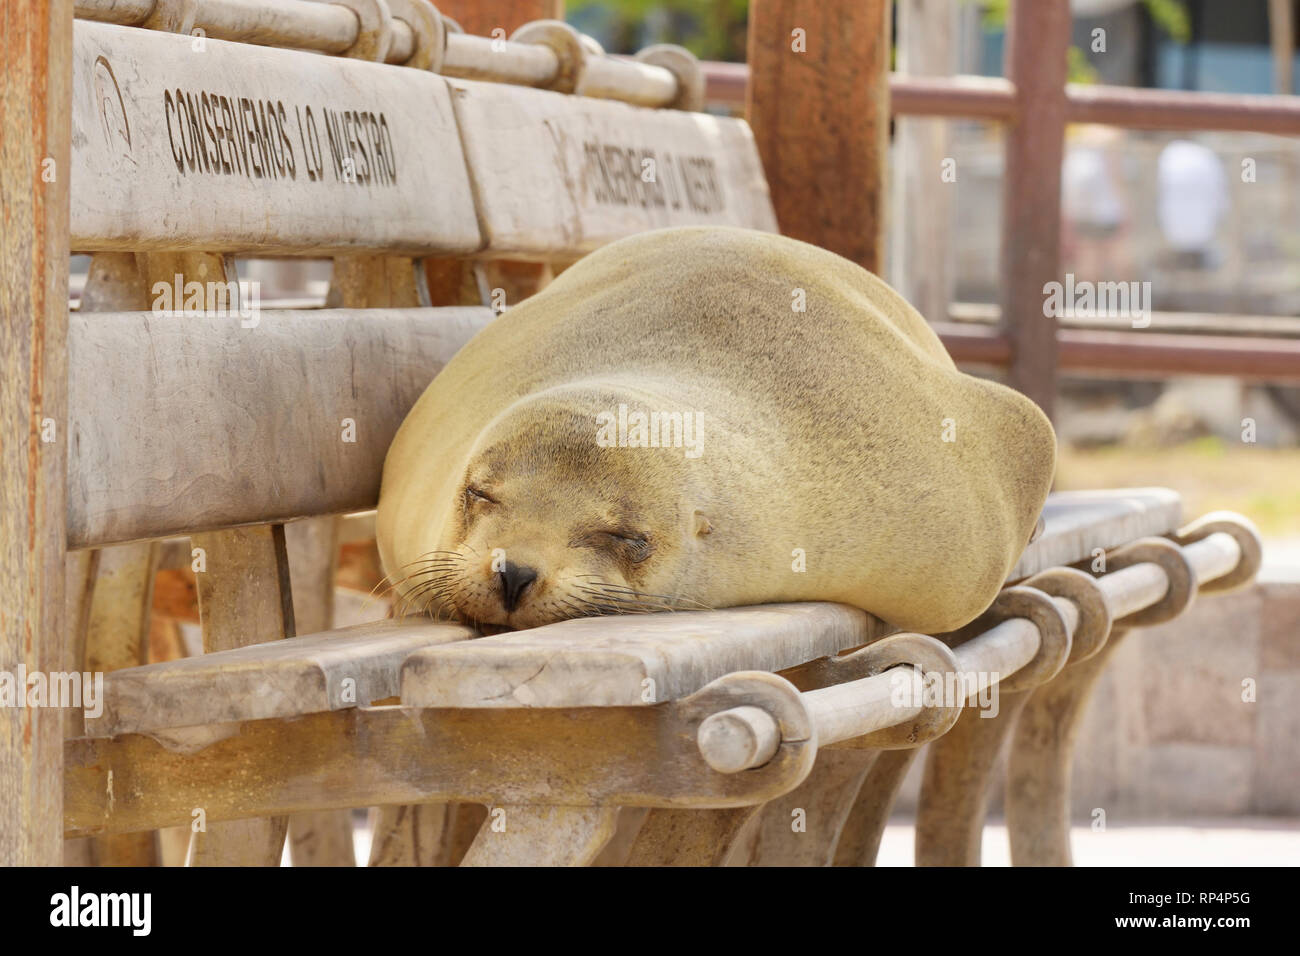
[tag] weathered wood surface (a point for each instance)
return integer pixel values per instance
(118, 617)
(859, 839)
(244, 599)
(323, 838)
(955, 790)
(542, 836)
(225, 425)
(1040, 760)
(633, 660)
(557, 176)
(34, 84)
(243, 148)
(802, 827)
(343, 668)
(821, 119)
(627, 756)
(117, 636)
(423, 834)
(316, 839)
(672, 837)
(1078, 522)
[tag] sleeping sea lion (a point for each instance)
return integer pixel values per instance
(710, 417)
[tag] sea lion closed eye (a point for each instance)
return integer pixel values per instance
(664, 428)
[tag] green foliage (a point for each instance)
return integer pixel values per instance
(1079, 70)
(1170, 15)
(711, 29)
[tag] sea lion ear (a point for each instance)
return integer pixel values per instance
(702, 525)
(1039, 528)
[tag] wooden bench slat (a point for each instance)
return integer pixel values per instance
(557, 176)
(634, 660)
(270, 185)
(1078, 522)
(285, 678)
(191, 423)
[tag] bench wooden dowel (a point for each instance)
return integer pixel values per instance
(1213, 557)
(856, 708)
(303, 24)
(402, 47)
(480, 58)
(1003, 650)
(124, 12)
(738, 739)
(1135, 588)
(299, 24)
(1130, 590)
(640, 83)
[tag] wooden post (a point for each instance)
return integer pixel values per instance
(1281, 32)
(481, 17)
(35, 90)
(921, 212)
(818, 101)
(1038, 40)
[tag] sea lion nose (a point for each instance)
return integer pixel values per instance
(515, 580)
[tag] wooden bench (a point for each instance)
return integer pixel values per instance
(683, 738)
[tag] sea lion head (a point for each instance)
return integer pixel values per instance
(546, 521)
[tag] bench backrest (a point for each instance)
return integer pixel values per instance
(244, 149)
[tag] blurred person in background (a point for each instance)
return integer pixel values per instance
(1192, 200)
(1095, 214)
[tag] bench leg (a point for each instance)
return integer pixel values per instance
(542, 836)
(244, 598)
(117, 635)
(802, 828)
(955, 790)
(424, 834)
(860, 836)
(244, 595)
(619, 847)
(240, 843)
(323, 838)
(118, 592)
(1038, 766)
(689, 837)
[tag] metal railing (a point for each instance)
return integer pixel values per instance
(1035, 110)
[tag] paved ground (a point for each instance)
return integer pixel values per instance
(1239, 842)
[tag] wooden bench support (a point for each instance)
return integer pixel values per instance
(244, 598)
(954, 794)
(316, 839)
(424, 834)
(595, 756)
(1038, 764)
(860, 838)
(689, 837)
(542, 836)
(116, 637)
(803, 827)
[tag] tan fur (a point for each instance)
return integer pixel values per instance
(821, 430)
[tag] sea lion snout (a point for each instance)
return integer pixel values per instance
(515, 580)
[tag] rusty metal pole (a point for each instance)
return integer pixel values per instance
(819, 106)
(1038, 40)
